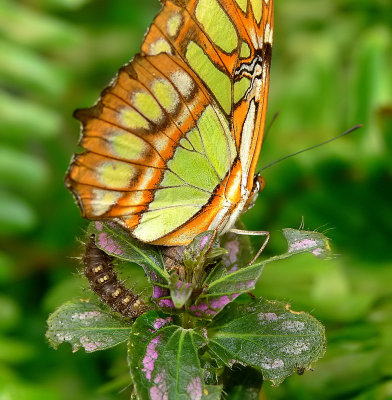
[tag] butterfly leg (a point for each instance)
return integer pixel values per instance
(254, 233)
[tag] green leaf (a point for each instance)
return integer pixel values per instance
(16, 215)
(240, 281)
(164, 360)
(307, 241)
(22, 171)
(39, 29)
(380, 391)
(16, 351)
(10, 313)
(7, 375)
(219, 271)
(66, 4)
(239, 248)
(114, 240)
(200, 252)
(212, 392)
(179, 291)
(161, 296)
(300, 241)
(29, 71)
(210, 369)
(7, 267)
(16, 114)
(28, 391)
(266, 335)
(201, 244)
(224, 290)
(225, 284)
(63, 290)
(84, 324)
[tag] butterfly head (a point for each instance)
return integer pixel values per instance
(258, 186)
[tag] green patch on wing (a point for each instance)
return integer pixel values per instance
(243, 4)
(155, 224)
(194, 169)
(217, 25)
(198, 166)
(178, 196)
(218, 82)
(218, 143)
(240, 88)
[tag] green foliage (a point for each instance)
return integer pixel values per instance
(268, 336)
(165, 352)
(164, 359)
(117, 242)
(330, 71)
(83, 324)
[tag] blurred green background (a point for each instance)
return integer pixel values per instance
(332, 69)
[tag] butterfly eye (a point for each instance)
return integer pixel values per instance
(259, 184)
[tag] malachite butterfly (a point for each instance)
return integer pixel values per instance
(172, 144)
(98, 268)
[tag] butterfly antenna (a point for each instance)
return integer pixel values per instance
(269, 126)
(354, 128)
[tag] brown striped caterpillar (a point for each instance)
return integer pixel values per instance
(98, 268)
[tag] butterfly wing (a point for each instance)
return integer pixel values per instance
(166, 136)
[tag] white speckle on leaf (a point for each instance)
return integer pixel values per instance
(268, 317)
(161, 322)
(85, 315)
(317, 252)
(293, 326)
(296, 348)
(63, 338)
(159, 390)
(151, 356)
(90, 345)
(302, 245)
(195, 389)
(272, 364)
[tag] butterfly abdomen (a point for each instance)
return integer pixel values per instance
(98, 268)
